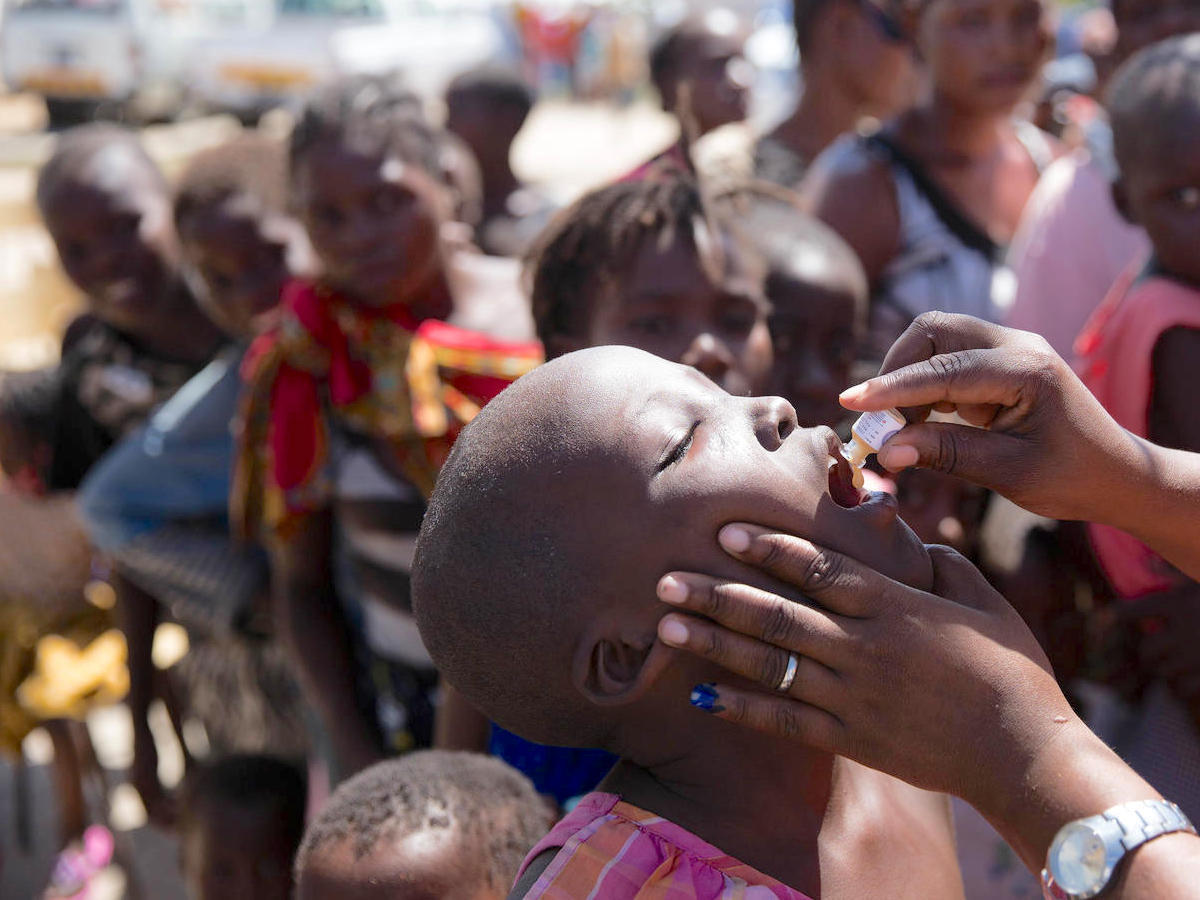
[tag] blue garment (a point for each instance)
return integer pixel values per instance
(562, 772)
(176, 467)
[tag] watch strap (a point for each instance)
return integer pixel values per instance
(1123, 828)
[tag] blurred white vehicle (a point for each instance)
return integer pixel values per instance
(282, 52)
(85, 56)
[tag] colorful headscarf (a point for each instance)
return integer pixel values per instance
(381, 373)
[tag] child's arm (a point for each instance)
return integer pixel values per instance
(311, 624)
(1169, 649)
(1173, 419)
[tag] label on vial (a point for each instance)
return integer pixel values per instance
(874, 428)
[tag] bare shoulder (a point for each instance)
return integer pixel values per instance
(488, 297)
(845, 180)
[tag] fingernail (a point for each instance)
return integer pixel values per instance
(734, 538)
(671, 590)
(899, 456)
(705, 697)
(852, 394)
(673, 632)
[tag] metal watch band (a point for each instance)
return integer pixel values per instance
(1130, 825)
(1145, 819)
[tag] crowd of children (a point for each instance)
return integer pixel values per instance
(408, 453)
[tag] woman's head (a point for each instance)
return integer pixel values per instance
(860, 47)
(369, 180)
(651, 264)
(108, 209)
(981, 55)
(240, 244)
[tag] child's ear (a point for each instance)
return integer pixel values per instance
(1120, 198)
(613, 669)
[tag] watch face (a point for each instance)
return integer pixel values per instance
(1078, 859)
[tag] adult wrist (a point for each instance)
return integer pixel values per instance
(1071, 775)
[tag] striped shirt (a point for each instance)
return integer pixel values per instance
(609, 849)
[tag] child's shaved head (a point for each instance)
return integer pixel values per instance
(1154, 98)
(429, 824)
(567, 499)
(523, 570)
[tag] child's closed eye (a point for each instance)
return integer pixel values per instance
(678, 450)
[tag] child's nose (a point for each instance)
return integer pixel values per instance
(774, 420)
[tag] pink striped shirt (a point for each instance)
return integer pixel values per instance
(612, 850)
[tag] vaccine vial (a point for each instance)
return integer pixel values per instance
(870, 432)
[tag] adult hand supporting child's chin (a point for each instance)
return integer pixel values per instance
(947, 689)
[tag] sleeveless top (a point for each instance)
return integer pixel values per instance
(945, 261)
(1115, 354)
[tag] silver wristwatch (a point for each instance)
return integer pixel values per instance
(1085, 852)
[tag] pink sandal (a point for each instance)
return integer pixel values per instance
(78, 863)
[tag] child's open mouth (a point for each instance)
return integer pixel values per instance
(841, 483)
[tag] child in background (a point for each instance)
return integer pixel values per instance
(704, 81)
(652, 264)
(352, 402)
(107, 208)
(430, 824)
(818, 295)
(521, 605)
(699, 71)
(241, 820)
(157, 504)
(486, 109)
(1140, 355)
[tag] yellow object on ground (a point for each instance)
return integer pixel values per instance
(68, 680)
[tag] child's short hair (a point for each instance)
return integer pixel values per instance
(1157, 90)
(371, 111)
(250, 165)
(497, 87)
(589, 245)
(78, 146)
(249, 782)
(495, 809)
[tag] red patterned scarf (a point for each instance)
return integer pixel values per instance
(381, 373)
